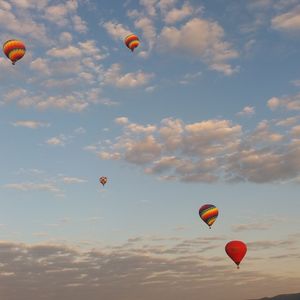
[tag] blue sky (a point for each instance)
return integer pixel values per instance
(205, 110)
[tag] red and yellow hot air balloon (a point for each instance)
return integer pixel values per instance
(236, 250)
(14, 50)
(208, 213)
(103, 180)
(132, 41)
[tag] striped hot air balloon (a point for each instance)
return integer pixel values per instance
(103, 180)
(14, 50)
(131, 41)
(208, 213)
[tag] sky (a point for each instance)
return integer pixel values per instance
(204, 111)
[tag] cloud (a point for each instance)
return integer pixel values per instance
(114, 77)
(72, 180)
(247, 111)
(288, 103)
(56, 141)
(79, 25)
(116, 30)
(209, 45)
(147, 27)
(32, 186)
(142, 268)
(121, 120)
(289, 21)
(176, 14)
(207, 151)
(30, 124)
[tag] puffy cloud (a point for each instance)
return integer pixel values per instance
(79, 24)
(116, 30)
(114, 77)
(121, 120)
(147, 27)
(288, 103)
(176, 14)
(149, 5)
(208, 46)
(57, 14)
(23, 25)
(247, 111)
(289, 21)
(207, 151)
(67, 52)
(55, 141)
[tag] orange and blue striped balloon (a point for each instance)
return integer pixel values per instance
(14, 50)
(208, 213)
(132, 41)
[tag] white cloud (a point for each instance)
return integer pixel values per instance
(288, 103)
(31, 186)
(79, 25)
(289, 21)
(56, 141)
(149, 5)
(207, 151)
(121, 120)
(67, 52)
(116, 30)
(30, 124)
(73, 180)
(114, 77)
(209, 45)
(41, 65)
(147, 27)
(65, 37)
(247, 111)
(57, 14)
(176, 14)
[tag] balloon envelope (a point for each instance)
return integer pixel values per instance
(132, 41)
(236, 250)
(208, 213)
(14, 50)
(103, 180)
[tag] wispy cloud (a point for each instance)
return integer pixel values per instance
(30, 124)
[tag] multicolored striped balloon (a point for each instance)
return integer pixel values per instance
(103, 180)
(208, 213)
(14, 50)
(131, 41)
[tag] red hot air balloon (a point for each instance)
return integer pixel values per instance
(14, 50)
(103, 180)
(208, 213)
(236, 250)
(132, 41)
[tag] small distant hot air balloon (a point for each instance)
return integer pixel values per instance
(14, 50)
(208, 213)
(236, 250)
(103, 180)
(132, 41)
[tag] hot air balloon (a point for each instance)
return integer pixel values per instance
(208, 213)
(236, 250)
(131, 41)
(103, 180)
(14, 50)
